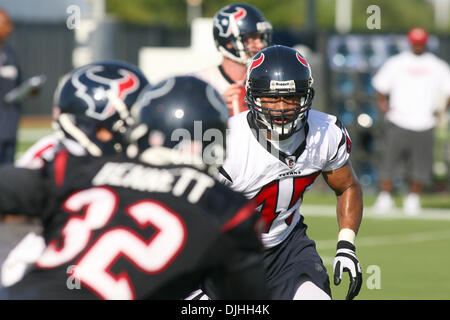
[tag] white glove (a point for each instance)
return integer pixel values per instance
(21, 257)
(346, 260)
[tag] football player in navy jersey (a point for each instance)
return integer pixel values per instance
(96, 90)
(150, 225)
(275, 151)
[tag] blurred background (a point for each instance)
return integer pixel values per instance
(344, 43)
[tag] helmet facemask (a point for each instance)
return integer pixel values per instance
(83, 130)
(281, 122)
(265, 35)
(238, 51)
(152, 147)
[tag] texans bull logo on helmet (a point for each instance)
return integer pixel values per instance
(90, 79)
(302, 60)
(224, 20)
(257, 62)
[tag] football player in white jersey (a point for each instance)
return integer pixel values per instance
(240, 31)
(275, 151)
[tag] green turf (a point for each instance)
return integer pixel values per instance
(23, 146)
(412, 256)
(429, 200)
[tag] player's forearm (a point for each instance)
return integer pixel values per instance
(348, 191)
(350, 208)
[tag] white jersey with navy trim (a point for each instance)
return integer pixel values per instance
(277, 180)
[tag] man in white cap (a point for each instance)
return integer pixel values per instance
(409, 86)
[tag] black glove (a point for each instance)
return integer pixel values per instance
(346, 260)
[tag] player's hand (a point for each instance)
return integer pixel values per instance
(234, 97)
(234, 91)
(346, 260)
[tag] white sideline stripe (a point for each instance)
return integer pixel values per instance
(389, 239)
(330, 211)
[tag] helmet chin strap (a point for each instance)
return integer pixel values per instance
(242, 60)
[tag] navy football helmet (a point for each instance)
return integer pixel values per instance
(182, 117)
(94, 96)
(279, 71)
(233, 24)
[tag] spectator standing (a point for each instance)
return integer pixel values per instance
(409, 86)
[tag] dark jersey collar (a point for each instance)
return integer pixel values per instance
(288, 160)
(226, 77)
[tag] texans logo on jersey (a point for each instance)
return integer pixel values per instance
(225, 20)
(290, 161)
(120, 85)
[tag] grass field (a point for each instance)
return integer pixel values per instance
(402, 257)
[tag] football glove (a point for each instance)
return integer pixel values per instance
(346, 260)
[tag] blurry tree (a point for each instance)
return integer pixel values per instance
(396, 16)
(399, 15)
(170, 13)
(282, 14)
